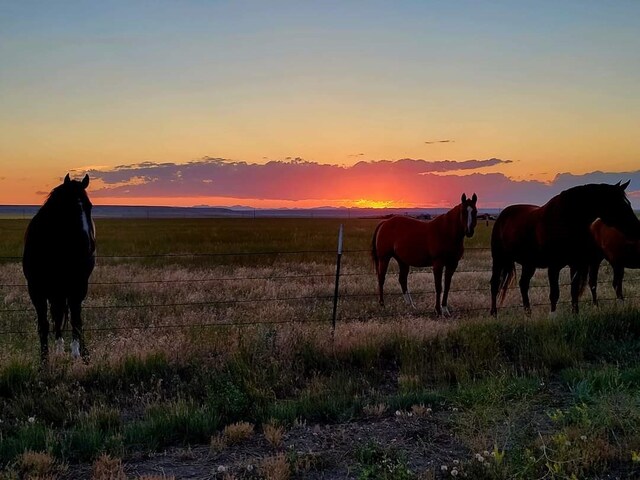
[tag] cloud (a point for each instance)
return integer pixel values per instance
(431, 142)
(406, 181)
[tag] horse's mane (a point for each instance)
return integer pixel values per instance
(590, 189)
(57, 194)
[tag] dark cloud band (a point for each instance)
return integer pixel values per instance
(412, 181)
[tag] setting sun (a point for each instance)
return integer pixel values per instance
(365, 203)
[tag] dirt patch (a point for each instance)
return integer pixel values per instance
(318, 451)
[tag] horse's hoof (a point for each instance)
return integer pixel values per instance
(553, 314)
(60, 346)
(445, 311)
(75, 349)
(408, 300)
(620, 302)
(527, 311)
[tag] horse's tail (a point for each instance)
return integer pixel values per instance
(504, 269)
(374, 248)
(507, 278)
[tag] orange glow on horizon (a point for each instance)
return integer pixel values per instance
(366, 203)
(227, 202)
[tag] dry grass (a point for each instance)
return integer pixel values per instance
(238, 432)
(256, 286)
(377, 410)
(218, 443)
(231, 435)
(37, 465)
(421, 410)
(275, 467)
(273, 434)
(106, 467)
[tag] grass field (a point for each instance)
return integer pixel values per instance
(395, 393)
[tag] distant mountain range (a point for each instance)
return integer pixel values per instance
(238, 211)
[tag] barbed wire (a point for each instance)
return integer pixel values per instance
(304, 298)
(628, 279)
(180, 325)
(279, 299)
(418, 314)
(225, 254)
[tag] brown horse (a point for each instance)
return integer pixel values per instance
(438, 243)
(620, 251)
(554, 236)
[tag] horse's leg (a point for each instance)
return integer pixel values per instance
(437, 277)
(578, 275)
(77, 344)
(554, 289)
(40, 303)
(448, 274)
(525, 281)
(383, 265)
(58, 308)
(618, 275)
(402, 278)
(593, 280)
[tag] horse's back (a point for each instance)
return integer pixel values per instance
(412, 241)
(514, 232)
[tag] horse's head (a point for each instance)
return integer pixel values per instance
(615, 210)
(468, 214)
(72, 206)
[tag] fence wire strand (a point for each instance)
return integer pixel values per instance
(345, 293)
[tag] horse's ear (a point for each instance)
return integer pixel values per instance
(85, 181)
(67, 179)
(625, 184)
(474, 198)
(464, 197)
(618, 184)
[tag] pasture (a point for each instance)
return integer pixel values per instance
(196, 325)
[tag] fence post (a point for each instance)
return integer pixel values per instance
(335, 292)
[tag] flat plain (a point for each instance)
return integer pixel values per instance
(213, 356)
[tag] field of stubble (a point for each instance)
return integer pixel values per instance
(210, 342)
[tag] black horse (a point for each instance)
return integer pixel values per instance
(555, 235)
(59, 256)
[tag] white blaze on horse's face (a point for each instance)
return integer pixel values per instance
(469, 218)
(85, 222)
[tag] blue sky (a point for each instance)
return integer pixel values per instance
(553, 86)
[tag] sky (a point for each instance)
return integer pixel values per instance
(302, 104)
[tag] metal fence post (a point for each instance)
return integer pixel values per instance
(335, 292)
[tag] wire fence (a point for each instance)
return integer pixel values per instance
(354, 304)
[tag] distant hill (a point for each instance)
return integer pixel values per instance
(119, 211)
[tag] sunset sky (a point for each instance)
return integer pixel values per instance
(300, 103)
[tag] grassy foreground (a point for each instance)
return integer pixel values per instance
(550, 398)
